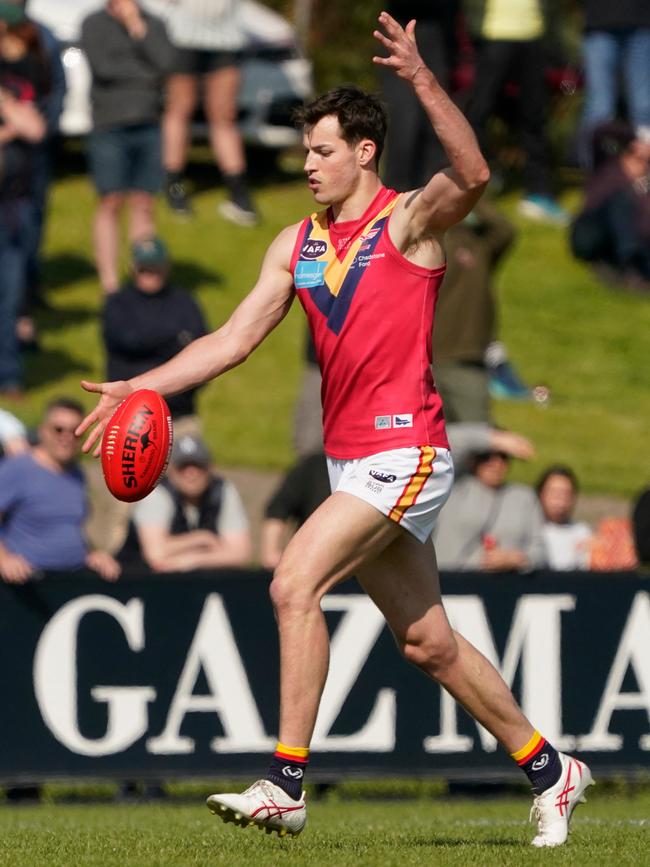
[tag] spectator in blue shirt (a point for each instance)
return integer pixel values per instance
(43, 504)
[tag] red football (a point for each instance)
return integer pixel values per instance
(136, 445)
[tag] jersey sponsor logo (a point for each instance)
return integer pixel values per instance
(540, 763)
(382, 422)
(314, 248)
(309, 274)
(294, 773)
(403, 419)
(385, 478)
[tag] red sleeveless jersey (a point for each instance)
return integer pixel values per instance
(370, 312)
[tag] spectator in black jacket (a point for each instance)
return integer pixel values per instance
(149, 320)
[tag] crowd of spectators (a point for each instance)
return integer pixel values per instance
(150, 63)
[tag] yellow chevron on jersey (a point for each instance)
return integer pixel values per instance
(330, 280)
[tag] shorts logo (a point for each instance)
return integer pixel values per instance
(294, 773)
(382, 422)
(385, 478)
(404, 419)
(314, 248)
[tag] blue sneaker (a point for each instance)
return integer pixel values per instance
(543, 209)
(505, 383)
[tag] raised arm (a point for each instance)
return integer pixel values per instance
(452, 193)
(210, 356)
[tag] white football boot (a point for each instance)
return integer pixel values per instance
(263, 804)
(553, 808)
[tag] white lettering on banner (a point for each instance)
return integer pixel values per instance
(215, 651)
(632, 651)
(351, 644)
(535, 640)
(55, 679)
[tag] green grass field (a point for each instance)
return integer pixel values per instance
(585, 341)
(488, 831)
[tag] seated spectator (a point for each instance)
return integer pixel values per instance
(612, 231)
(641, 525)
(13, 436)
(489, 523)
(567, 541)
(150, 320)
(301, 491)
(194, 519)
(43, 504)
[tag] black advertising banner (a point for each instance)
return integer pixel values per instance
(158, 677)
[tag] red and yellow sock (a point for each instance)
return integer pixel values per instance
(288, 767)
(540, 762)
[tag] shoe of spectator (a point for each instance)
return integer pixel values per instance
(178, 199)
(505, 384)
(544, 209)
(239, 214)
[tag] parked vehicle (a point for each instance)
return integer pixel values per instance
(276, 77)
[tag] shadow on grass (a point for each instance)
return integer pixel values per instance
(65, 269)
(50, 365)
(191, 275)
(53, 318)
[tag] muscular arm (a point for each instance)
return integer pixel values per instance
(210, 356)
(452, 193)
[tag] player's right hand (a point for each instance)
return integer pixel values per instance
(112, 395)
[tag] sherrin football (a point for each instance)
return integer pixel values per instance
(136, 445)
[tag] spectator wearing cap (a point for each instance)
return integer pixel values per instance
(129, 55)
(149, 320)
(488, 522)
(194, 519)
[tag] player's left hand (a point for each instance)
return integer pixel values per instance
(403, 55)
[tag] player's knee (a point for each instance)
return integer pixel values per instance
(289, 592)
(432, 653)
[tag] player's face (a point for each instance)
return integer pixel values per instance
(332, 165)
(56, 435)
(558, 499)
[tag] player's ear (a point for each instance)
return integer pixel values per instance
(367, 151)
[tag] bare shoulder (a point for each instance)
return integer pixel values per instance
(281, 248)
(416, 240)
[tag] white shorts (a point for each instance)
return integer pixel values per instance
(409, 486)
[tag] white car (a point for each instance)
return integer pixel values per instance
(276, 77)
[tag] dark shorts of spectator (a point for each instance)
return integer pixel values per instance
(199, 61)
(126, 158)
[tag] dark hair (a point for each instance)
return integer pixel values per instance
(64, 403)
(360, 114)
(29, 34)
(557, 470)
(610, 140)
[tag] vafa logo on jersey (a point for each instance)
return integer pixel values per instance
(314, 248)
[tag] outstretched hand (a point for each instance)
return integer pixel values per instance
(403, 55)
(112, 395)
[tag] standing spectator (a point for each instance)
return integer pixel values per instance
(612, 231)
(24, 84)
(465, 318)
(413, 151)
(129, 55)
(641, 526)
(300, 493)
(149, 320)
(489, 523)
(509, 41)
(194, 519)
(616, 48)
(43, 504)
(567, 541)
(209, 39)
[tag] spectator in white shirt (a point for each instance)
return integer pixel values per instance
(567, 541)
